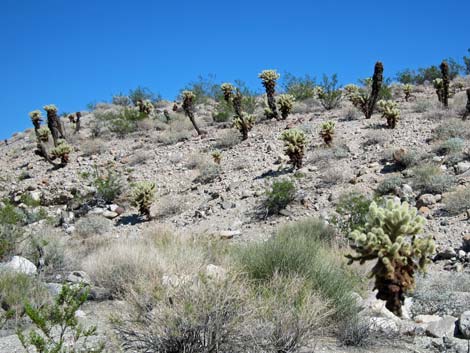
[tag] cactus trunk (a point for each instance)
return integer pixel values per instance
(271, 101)
(466, 114)
(445, 84)
(77, 121)
(376, 85)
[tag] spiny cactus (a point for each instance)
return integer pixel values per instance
(439, 86)
(466, 114)
(365, 100)
(227, 90)
(61, 151)
(295, 142)
(143, 195)
(445, 83)
(327, 132)
(285, 102)
(188, 107)
(390, 112)
(78, 116)
(43, 134)
(269, 78)
(244, 123)
(145, 107)
(407, 90)
(351, 90)
(390, 236)
(217, 157)
(53, 123)
(36, 119)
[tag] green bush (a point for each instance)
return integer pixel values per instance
(330, 94)
(109, 185)
(389, 185)
(352, 208)
(453, 128)
(143, 94)
(303, 249)
(9, 214)
(224, 112)
(301, 88)
(281, 193)
(430, 179)
(204, 88)
(451, 146)
(10, 237)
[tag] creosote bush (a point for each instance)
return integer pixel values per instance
(295, 142)
(327, 132)
(143, 195)
(329, 93)
(390, 236)
(281, 193)
(389, 110)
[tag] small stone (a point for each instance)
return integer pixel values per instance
(464, 324)
(425, 211)
(462, 254)
(445, 254)
(226, 205)
(79, 277)
(21, 265)
(466, 243)
(110, 214)
(80, 314)
(99, 294)
(426, 319)
(445, 327)
(426, 200)
(54, 288)
(113, 207)
(462, 167)
(229, 234)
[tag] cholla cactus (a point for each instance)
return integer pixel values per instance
(145, 107)
(62, 151)
(50, 108)
(269, 78)
(188, 107)
(390, 112)
(285, 102)
(445, 83)
(439, 86)
(365, 100)
(217, 157)
(466, 114)
(351, 90)
(36, 119)
(43, 134)
(327, 132)
(390, 236)
(244, 123)
(143, 196)
(53, 123)
(295, 142)
(407, 90)
(227, 90)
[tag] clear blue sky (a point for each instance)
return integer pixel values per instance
(73, 52)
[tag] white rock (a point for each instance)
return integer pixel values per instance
(426, 319)
(21, 265)
(110, 214)
(462, 167)
(216, 272)
(80, 314)
(464, 324)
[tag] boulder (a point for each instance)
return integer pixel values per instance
(462, 167)
(445, 327)
(21, 265)
(79, 277)
(464, 324)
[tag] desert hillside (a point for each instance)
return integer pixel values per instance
(239, 231)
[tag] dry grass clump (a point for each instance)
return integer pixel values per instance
(170, 205)
(452, 128)
(196, 160)
(429, 179)
(92, 225)
(227, 139)
(178, 129)
(458, 201)
(92, 147)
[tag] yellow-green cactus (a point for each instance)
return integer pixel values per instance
(244, 123)
(188, 107)
(217, 157)
(43, 134)
(143, 195)
(407, 90)
(50, 108)
(286, 103)
(268, 79)
(295, 142)
(366, 99)
(62, 151)
(227, 90)
(327, 131)
(36, 119)
(390, 236)
(390, 112)
(145, 107)
(351, 89)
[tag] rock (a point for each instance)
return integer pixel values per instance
(229, 234)
(216, 272)
(425, 211)
(384, 325)
(226, 205)
(36, 195)
(21, 265)
(466, 243)
(70, 229)
(113, 207)
(462, 254)
(399, 154)
(99, 294)
(80, 314)
(445, 327)
(445, 254)
(110, 214)
(79, 277)
(54, 288)
(97, 210)
(462, 167)
(464, 324)
(405, 192)
(426, 319)
(426, 200)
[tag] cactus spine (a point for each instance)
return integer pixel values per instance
(268, 79)
(188, 107)
(294, 146)
(445, 83)
(390, 236)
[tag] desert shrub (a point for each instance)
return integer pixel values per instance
(355, 332)
(170, 205)
(352, 208)
(409, 159)
(142, 94)
(302, 250)
(16, 289)
(430, 179)
(224, 112)
(330, 94)
(451, 148)
(204, 88)
(452, 128)
(179, 129)
(196, 160)
(277, 197)
(324, 156)
(92, 225)
(389, 185)
(208, 172)
(10, 237)
(375, 137)
(9, 214)
(60, 317)
(422, 106)
(351, 114)
(139, 157)
(228, 139)
(122, 100)
(457, 202)
(333, 175)
(109, 184)
(300, 87)
(93, 147)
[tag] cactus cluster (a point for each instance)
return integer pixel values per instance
(143, 195)
(227, 90)
(466, 113)
(43, 134)
(390, 236)
(145, 107)
(407, 90)
(242, 121)
(268, 79)
(54, 124)
(365, 100)
(286, 103)
(295, 142)
(389, 110)
(216, 156)
(327, 132)
(61, 151)
(188, 107)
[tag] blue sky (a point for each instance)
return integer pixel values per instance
(71, 53)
